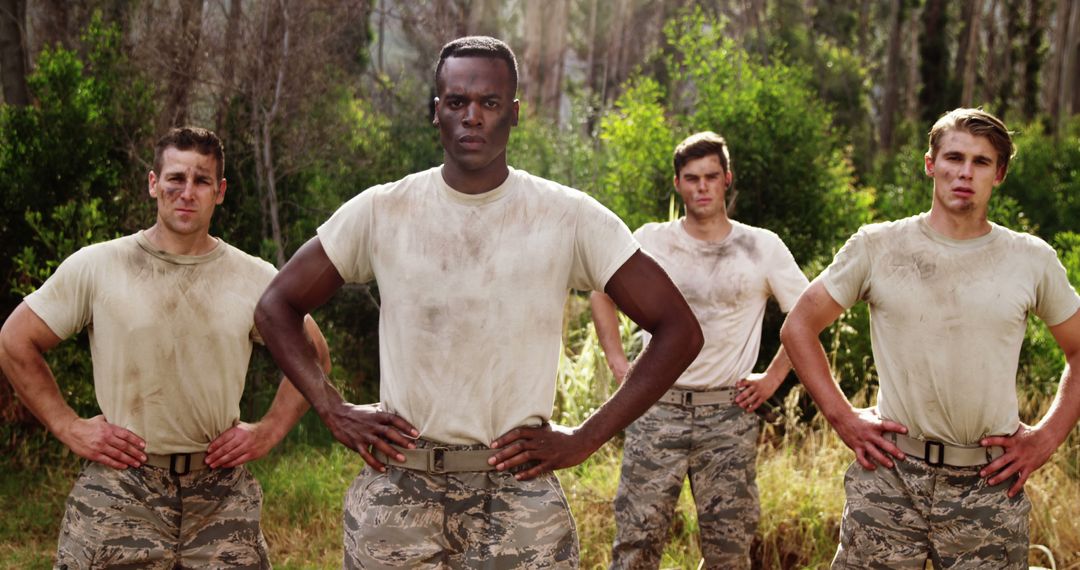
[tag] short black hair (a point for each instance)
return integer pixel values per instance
(202, 141)
(479, 46)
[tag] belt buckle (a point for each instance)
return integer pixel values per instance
(941, 453)
(437, 460)
(173, 461)
(688, 398)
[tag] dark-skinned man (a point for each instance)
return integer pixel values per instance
(474, 261)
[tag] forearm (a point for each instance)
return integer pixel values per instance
(606, 320)
(779, 366)
(804, 351)
(25, 367)
(282, 327)
(1064, 412)
(289, 404)
(672, 348)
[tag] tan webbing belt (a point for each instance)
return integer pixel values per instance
(937, 453)
(441, 459)
(178, 463)
(692, 398)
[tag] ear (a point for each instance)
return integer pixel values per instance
(220, 192)
(928, 165)
(1001, 172)
(435, 118)
(727, 178)
(517, 108)
(151, 181)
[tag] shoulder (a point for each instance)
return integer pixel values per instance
(760, 235)
(1028, 244)
(248, 265)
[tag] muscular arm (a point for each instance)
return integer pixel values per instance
(643, 291)
(307, 281)
(861, 430)
(246, 442)
(606, 319)
(24, 340)
(1030, 447)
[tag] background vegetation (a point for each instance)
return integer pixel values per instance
(825, 105)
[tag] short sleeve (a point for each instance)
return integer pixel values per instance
(65, 300)
(847, 278)
(1055, 298)
(602, 244)
(786, 281)
(346, 238)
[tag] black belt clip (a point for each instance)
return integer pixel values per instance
(930, 454)
(437, 461)
(173, 462)
(688, 398)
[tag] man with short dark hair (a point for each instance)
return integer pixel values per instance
(704, 427)
(170, 314)
(474, 261)
(943, 457)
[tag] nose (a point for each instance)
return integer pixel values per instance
(188, 190)
(967, 170)
(472, 116)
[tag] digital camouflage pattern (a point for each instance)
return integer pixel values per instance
(133, 518)
(412, 519)
(716, 446)
(898, 518)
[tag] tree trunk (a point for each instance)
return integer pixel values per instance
(892, 75)
(233, 41)
(184, 66)
(555, 29)
(935, 97)
(1069, 66)
(1057, 54)
(968, 52)
(13, 52)
(1033, 60)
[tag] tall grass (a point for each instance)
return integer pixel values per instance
(800, 471)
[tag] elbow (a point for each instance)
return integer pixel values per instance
(696, 338)
(264, 310)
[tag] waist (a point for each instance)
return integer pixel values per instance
(937, 454)
(178, 463)
(439, 459)
(699, 398)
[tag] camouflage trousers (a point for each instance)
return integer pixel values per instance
(405, 518)
(899, 518)
(146, 517)
(716, 445)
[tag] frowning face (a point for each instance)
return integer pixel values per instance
(965, 172)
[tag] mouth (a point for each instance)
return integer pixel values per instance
(471, 142)
(963, 192)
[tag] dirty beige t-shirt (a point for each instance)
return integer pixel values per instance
(727, 283)
(170, 335)
(472, 291)
(947, 318)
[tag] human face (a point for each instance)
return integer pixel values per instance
(474, 111)
(702, 183)
(965, 172)
(187, 192)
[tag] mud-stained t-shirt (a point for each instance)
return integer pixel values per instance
(472, 291)
(727, 283)
(947, 318)
(170, 335)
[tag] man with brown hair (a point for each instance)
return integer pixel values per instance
(169, 311)
(474, 261)
(943, 457)
(704, 427)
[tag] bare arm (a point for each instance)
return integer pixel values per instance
(307, 281)
(1030, 447)
(606, 319)
(24, 340)
(246, 442)
(757, 388)
(861, 429)
(643, 291)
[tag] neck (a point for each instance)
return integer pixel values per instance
(477, 181)
(965, 225)
(714, 228)
(174, 244)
